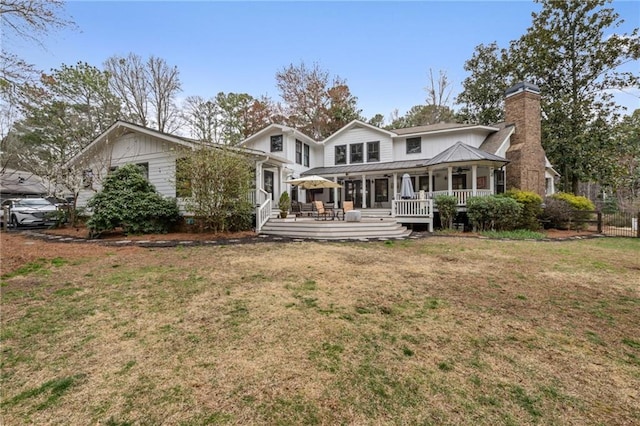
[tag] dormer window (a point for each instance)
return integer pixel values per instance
(276, 143)
(414, 145)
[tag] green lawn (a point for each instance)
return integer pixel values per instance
(432, 331)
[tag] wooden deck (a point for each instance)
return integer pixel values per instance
(306, 227)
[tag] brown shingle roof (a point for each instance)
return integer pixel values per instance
(493, 142)
(430, 128)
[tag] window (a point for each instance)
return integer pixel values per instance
(373, 152)
(276, 143)
(498, 181)
(414, 145)
(381, 190)
(183, 178)
(87, 178)
(356, 152)
(341, 154)
(298, 152)
(481, 182)
(306, 155)
(145, 169)
(423, 183)
(268, 182)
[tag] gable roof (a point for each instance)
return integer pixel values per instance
(281, 128)
(358, 123)
(121, 127)
(461, 152)
(495, 141)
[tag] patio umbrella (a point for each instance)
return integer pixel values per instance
(313, 182)
(406, 191)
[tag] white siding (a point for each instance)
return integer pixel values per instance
(264, 144)
(433, 144)
(134, 148)
(359, 135)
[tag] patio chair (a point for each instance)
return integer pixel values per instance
(296, 209)
(319, 211)
(346, 207)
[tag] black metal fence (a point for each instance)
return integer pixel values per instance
(621, 224)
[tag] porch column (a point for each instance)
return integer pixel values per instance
(276, 196)
(258, 181)
(474, 179)
(395, 186)
(364, 192)
(491, 181)
(335, 193)
(450, 180)
(430, 181)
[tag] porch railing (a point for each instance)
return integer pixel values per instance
(461, 194)
(263, 209)
(412, 208)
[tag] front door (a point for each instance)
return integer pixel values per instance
(459, 181)
(353, 192)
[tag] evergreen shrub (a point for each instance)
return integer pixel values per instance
(129, 201)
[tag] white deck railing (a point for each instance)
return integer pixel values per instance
(263, 209)
(461, 194)
(412, 208)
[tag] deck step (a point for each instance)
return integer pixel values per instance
(336, 229)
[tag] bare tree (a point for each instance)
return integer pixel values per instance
(439, 98)
(130, 83)
(147, 89)
(165, 85)
(31, 19)
(201, 117)
(313, 101)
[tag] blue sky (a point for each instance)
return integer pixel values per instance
(383, 49)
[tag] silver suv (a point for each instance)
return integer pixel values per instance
(30, 211)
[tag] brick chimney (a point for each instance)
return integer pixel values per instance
(526, 155)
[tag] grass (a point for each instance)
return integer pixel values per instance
(518, 234)
(434, 331)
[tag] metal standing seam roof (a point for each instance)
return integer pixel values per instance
(368, 167)
(460, 153)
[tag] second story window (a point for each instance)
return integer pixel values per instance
(373, 152)
(341, 154)
(276, 143)
(298, 152)
(306, 155)
(414, 145)
(356, 154)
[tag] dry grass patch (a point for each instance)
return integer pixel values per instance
(435, 331)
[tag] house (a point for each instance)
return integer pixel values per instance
(157, 153)
(21, 184)
(462, 160)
